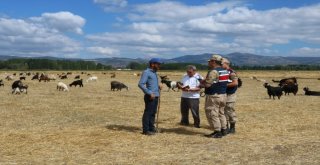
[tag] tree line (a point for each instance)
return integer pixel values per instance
(182, 66)
(49, 64)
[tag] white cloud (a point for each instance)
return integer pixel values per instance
(174, 28)
(62, 21)
(112, 5)
(39, 36)
(106, 51)
(306, 51)
(172, 11)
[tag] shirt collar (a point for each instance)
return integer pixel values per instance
(151, 70)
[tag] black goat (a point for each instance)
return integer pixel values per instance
(310, 93)
(170, 84)
(273, 91)
(290, 88)
(77, 82)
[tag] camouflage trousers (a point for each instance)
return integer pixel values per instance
(229, 110)
(214, 107)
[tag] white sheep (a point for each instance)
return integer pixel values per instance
(92, 78)
(62, 86)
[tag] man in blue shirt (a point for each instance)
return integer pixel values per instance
(150, 86)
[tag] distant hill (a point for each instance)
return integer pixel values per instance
(238, 59)
(241, 59)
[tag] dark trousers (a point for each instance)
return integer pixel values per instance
(185, 105)
(149, 114)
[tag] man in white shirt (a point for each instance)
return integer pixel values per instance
(190, 96)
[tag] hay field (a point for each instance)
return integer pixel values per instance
(93, 125)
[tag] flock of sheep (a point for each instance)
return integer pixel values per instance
(287, 85)
(19, 87)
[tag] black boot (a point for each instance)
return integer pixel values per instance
(217, 134)
(224, 132)
(232, 128)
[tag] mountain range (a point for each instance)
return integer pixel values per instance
(238, 59)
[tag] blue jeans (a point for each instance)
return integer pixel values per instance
(149, 115)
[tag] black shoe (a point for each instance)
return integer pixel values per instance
(232, 128)
(217, 134)
(197, 126)
(224, 132)
(209, 135)
(148, 133)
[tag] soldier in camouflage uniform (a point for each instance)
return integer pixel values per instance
(231, 96)
(215, 88)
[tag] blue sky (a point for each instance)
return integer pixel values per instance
(145, 29)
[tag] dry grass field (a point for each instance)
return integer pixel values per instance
(93, 125)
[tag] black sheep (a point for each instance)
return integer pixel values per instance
(290, 88)
(310, 93)
(77, 82)
(273, 91)
(117, 85)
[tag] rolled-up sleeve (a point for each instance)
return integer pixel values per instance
(142, 83)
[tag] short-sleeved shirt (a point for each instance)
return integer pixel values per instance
(192, 82)
(212, 77)
(233, 76)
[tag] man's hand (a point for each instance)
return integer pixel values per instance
(160, 87)
(152, 96)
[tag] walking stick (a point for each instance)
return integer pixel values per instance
(158, 111)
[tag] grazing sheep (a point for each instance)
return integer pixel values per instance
(62, 87)
(77, 77)
(310, 93)
(76, 83)
(9, 77)
(117, 85)
(35, 77)
(92, 78)
(52, 77)
(63, 76)
(273, 91)
(18, 87)
(113, 75)
(22, 78)
(44, 78)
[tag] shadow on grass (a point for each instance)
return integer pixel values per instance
(123, 128)
(180, 130)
